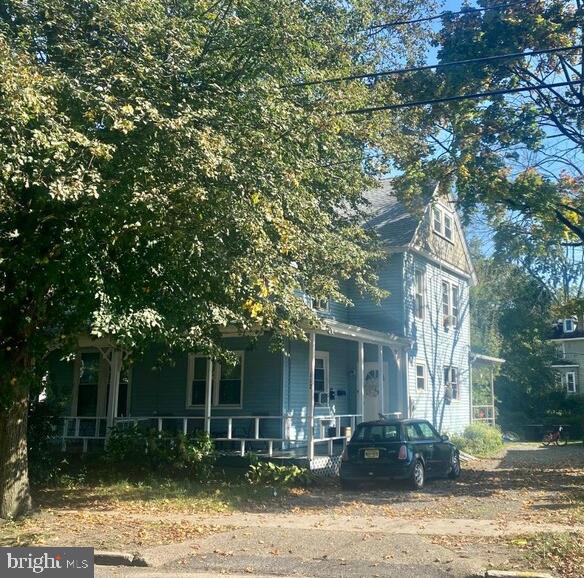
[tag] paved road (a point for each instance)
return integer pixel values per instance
(314, 553)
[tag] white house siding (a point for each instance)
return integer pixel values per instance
(436, 347)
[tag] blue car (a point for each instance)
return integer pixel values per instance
(398, 449)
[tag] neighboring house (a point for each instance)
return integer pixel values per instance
(568, 338)
(408, 354)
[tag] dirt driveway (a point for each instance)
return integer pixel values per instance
(525, 509)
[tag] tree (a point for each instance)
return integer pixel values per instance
(161, 178)
(516, 155)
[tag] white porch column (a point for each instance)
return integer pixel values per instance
(403, 399)
(361, 379)
(114, 386)
(310, 400)
(208, 395)
(381, 379)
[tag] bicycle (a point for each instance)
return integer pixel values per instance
(557, 437)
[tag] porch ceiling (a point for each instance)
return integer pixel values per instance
(356, 333)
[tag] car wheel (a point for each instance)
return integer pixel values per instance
(418, 476)
(454, 466)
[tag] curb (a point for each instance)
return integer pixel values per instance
(103, 558)
(517, 574)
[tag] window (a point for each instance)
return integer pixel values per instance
(322, 305)
(451, 382)
(420, 376)
(412, 432)
(448, 226)
(226, 381)
(230, 381)
(321, 378)
(445, 299)
(560, 351)
(374, 433)
(437, 220)
(427, 431)
(443, 223)
(455, 303)
(569, 325)
(450, 304)
(419, 297)
(89, 368)
(199, 381)
(571, 381)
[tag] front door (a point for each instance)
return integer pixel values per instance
(372, 402)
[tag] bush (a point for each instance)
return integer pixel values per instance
(270, 474)
(46, 462)
(480, 440)
(153, 451)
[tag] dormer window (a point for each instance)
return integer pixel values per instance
(321, 305)
(443, 223)
(569, 325)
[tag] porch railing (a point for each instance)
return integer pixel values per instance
(483, 413)
(246, 431)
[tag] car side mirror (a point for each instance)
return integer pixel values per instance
(444, 438)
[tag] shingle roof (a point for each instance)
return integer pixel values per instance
(393, 221)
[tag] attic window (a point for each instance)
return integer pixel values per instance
(442, 223)
(569, 326)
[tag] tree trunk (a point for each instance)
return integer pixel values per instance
(14, 488)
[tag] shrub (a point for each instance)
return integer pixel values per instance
(270, 474)
(154, 451)
(480, 440)
(46, 462)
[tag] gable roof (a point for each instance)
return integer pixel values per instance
(389, 217)
(398, 226)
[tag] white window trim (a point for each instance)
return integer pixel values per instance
(102, 383)
(215, 382)
(573, 374)
(450, 368)
(325, 309)
(423, 293)
(565, 325)
(423, 366)
(324, 355)
(451, 287)
(441, 232)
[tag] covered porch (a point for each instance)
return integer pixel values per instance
(323, 388)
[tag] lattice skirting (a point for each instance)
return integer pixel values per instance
(326, 466)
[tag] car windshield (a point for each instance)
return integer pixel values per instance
(377, 433)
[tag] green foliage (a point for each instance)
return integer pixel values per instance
(46, 462)
(136, 449)
(480, 440)
(271, 474)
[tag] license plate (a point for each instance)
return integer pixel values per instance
(371, 454)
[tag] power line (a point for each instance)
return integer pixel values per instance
(432, 66)
(447, 13)
(458, 97)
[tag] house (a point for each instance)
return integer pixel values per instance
(568, 339)
(408, 355)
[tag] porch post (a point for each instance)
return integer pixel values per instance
(361, 379)
(310, 400)
(381, 379)
(208, 394)
(403, 399)
(114, 387)
(492, 374)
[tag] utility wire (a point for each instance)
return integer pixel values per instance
(458, 97)
(432, 66)
(448, 13)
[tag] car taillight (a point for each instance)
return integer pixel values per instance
(345, 455)
(403, 453)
